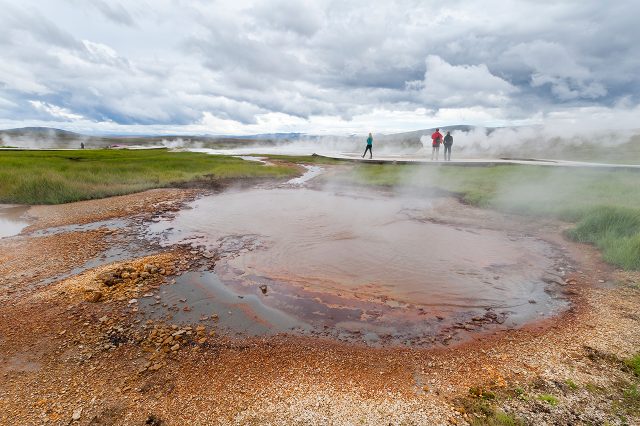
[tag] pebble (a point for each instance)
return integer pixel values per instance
(93, 296)
(77, 413)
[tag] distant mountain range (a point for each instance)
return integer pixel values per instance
(48, 131)
(46, 137)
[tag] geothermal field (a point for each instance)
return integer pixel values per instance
(306, 289)
(319, 213)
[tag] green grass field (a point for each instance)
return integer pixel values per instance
(302, 159)
(53, 177)
(604, 204)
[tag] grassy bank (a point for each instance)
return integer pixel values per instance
(53, 177)
(615, 231)
(604, 204)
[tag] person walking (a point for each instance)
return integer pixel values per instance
(448, 141)
(369, 147)
(436, 139)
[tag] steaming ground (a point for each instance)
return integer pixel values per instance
(81, 345)
(583, 142)
(358, 265)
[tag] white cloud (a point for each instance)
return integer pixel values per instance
(459, 85)
(55, 111)
(553, 64)
(313, 64)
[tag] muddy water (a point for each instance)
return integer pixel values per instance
(11, 220)
(354, 265)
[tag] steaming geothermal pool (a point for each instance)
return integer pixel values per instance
(353, 265)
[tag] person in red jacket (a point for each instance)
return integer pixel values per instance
(436, 139)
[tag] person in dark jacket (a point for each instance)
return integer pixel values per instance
(448, 141)
(369, 147)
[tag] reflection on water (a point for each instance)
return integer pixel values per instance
(364, 263)
(11, 222)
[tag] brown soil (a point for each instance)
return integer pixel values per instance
(64, 359)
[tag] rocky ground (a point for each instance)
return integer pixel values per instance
(75, 350)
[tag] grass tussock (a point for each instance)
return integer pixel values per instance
(634, 364)
(481, 412)
(615, 231)
(54, 177)
(549, 399)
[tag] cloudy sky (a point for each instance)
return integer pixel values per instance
(325, 66)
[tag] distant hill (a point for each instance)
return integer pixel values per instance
(40, 132)
(46, 137)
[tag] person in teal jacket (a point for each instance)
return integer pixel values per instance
(369, 147)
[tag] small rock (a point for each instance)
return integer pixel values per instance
(175, 347)
(132, 301)
(263, 288)
(153, 421)
(93, 296)
(77, 413)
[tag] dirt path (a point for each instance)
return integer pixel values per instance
(73, 348)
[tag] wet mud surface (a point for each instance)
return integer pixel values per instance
(359, 267)
(12, 220)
